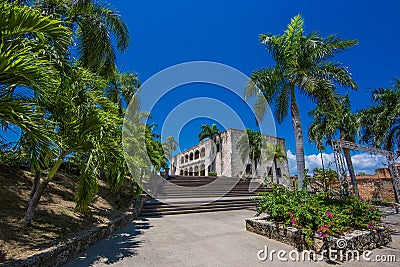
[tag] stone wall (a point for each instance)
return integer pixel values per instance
(383, 187)
(65, 251)
(357, 240)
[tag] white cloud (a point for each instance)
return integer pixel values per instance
(362, 162)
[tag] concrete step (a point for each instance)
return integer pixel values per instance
(198, 200)
(196, 210)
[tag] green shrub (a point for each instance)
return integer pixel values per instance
(318, 212)
(212, 174)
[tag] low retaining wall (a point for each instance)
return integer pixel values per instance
(64, 251)
(357, 240)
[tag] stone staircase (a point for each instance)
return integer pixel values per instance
(193, 200)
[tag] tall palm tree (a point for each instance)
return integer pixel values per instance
(212, 132)
(250, 147)
(335, 118)
(302, 63)
(381, 122)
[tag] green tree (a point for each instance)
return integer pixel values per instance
(121, 89)
(212, 132)
(335, 118)
(250, 147)
(31, 47)
(96, 28)
(381, 122)
(302, 63)
(155, 149)
(83, 118)
(326, 177)
(274, 152)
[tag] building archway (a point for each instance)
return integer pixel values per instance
(196, 171)
(191, 171)
(249, 169)
(191, 156)
(186, 158)
(186, 172)
(182, 160)
(196, 154)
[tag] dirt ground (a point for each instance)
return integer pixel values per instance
(55, 219)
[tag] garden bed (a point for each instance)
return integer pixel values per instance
(355, 241)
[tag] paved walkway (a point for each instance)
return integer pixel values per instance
(203, 239)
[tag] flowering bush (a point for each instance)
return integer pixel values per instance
(318, 212)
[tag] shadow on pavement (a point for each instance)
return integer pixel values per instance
(119, 245)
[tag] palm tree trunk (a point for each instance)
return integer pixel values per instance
(349, 163)
(34, 201)
(298, 135)
(323, 170)
(274, 171)
(36, 182)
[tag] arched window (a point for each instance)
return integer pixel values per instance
(186, 158)
(196, 171)
(190, 171)
(191, 156)
(196, 154)
(182, 160)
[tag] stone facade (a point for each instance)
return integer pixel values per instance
(378, 186)
(225, 160)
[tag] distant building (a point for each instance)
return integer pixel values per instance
(224, 159)
(378, 186)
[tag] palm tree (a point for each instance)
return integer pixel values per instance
(96, 28)
(169, 146)
(250, 147)
(331, 119)
(122, 87)
(326, 177)
(381, 122)
(32, 62)
(84, 118)
(274, 152)
(212, 132)
(302, 63)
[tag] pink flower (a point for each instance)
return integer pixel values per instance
(320, 233)
(293, 221)
(329, 214)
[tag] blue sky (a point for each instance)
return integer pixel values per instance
(165, 33)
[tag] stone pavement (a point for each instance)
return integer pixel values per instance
(202, 239)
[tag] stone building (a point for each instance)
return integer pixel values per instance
(224, 159)
(378, 186)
